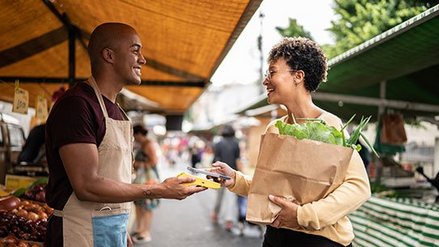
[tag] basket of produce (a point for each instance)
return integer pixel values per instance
(24, 215)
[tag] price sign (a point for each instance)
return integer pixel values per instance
(21, 100)
(41, 108)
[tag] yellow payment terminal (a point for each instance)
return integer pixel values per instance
(200, 181)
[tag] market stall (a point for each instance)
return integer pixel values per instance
(396, 222)
(44, 46)
(394, 72)
(24, 214)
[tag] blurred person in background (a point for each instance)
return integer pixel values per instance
(207, 156)
(34, 150)
(195, 156)
(145, 166)
(227, 150)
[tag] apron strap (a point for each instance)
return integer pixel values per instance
(95, 87)
(58, 213)
(123, 112)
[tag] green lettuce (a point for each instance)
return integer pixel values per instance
(317, 130)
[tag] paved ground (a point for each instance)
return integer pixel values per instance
(187, 223)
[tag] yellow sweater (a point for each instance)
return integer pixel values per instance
(326, 217)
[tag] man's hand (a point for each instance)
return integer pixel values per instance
(287, 216)
(224, 169)
(174, 188)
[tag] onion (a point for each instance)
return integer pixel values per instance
(32, 216)
(22, 213)
(9, 203)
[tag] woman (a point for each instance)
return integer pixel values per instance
(296, 68)
(145, 161)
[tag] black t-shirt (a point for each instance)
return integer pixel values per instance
(34, 142)
(227, 151)
(75, 118)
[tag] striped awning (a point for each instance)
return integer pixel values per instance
(395, 222)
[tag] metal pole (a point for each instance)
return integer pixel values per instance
(72, 54)
(381, 109)
(436, 158)
(261, 53)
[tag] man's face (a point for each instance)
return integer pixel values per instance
(129, 59)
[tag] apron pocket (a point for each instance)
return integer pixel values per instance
(110, 230)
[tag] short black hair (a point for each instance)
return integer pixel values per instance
(227, 131)
(302, 54)
(138, 129)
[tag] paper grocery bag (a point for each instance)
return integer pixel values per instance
(301, 170)
(393, 131)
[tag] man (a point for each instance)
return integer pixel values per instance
(89, 149)
(227, 150)
(33, 151)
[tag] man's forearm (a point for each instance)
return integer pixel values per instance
(107, 190)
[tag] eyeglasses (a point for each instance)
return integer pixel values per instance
(269, 74)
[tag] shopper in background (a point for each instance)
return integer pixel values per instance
(34, 150)
(227, 151)
(195, 156)
(145, 166)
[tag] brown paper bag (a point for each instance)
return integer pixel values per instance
(393, 131)
(301, 170)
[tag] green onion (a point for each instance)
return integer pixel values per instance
(317, 129)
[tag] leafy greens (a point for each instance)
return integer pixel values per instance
(317, 130)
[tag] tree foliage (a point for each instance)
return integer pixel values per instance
(360, 20)
(294, 30)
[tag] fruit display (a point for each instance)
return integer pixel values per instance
(11, 241)
(35, 192)
(28, 221)
(9, 203)
(23, 216)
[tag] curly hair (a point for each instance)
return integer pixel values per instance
(302, 54)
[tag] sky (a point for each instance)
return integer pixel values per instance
(242, 63)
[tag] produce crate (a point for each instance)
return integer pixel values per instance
(26, 222)
(14, 182)
(13, 241)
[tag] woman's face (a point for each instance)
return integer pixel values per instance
(138, 137)
(279, 82)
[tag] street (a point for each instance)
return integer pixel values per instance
(187, 222)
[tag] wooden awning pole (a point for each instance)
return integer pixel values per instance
(72, 54)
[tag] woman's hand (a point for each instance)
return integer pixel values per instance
(224, 169)
(287, 216)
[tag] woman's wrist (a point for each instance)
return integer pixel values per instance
(233, 179)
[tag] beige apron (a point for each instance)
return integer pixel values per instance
(83, 220)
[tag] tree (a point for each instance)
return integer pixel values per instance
(294, 30)
(360, 20)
